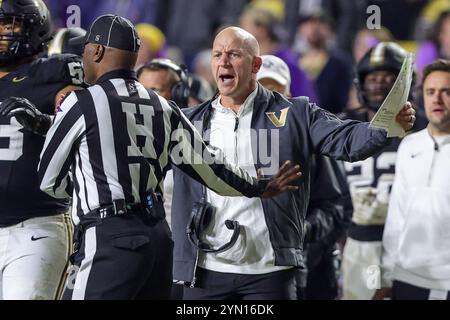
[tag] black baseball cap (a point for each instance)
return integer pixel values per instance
(111, 31)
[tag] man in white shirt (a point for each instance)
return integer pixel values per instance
(256, 129)
(416, 239)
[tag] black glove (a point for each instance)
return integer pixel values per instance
(26, 114)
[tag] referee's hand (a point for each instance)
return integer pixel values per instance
(280, 182)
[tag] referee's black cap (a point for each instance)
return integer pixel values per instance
(111, 31)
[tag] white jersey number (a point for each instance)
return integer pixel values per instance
(14, 138)
(369, 170)
(76, 72)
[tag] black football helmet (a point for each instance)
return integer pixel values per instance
(385, 56)
(60, 42)
(25, 28)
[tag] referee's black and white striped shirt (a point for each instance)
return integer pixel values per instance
(117, 140)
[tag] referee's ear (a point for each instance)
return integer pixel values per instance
(99, 52)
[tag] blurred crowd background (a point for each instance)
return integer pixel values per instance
(320, 40)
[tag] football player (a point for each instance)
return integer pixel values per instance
(35, 231)
(370, 180)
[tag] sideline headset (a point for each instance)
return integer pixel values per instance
(201, 216)
(180, 90)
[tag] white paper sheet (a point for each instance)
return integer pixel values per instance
(395, 100)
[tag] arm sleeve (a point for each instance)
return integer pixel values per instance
(346, 140)
(394, 224)
(59, 147)
(206, 165)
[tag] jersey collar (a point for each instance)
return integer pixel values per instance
(121, 73)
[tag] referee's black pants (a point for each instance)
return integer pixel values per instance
(122, 257)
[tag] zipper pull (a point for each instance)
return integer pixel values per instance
(236, 125)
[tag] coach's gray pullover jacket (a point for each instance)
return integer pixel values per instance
(307, 129)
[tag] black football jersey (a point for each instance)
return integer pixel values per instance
(39, 82)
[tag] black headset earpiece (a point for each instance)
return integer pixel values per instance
(180, 90)
(201, 216)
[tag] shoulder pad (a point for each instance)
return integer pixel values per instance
(61, 68)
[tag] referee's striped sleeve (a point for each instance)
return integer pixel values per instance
(189, 152)
(61, 140)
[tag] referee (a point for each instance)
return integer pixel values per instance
(110, 147)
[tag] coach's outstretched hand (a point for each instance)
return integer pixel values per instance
(280, 182)
(406, 116)
(26, 114)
